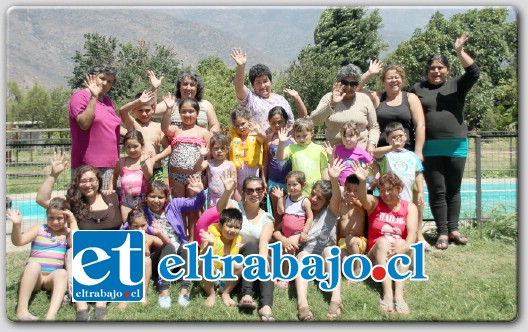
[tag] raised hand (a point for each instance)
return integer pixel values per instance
(375, 67)
(239, 56)
(291, 92)
(69, 217)
(195, 184)
(206, 237)
(459, 43)
(58, 164)
(14, 215)
(328, 148)
(338, 93)
(360, 171)
(156, 227)
(91, 83)
(277, 192)
(169, 101)
(228, 181)
(283, 135)
(336, 168)
(397, 143)
(155, 82)
(146, 97)
(204, 150)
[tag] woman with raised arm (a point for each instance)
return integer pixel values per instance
(261, 100)
(446, 144)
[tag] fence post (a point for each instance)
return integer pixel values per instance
(478, 175)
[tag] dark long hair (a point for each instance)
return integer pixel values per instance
(79, 204)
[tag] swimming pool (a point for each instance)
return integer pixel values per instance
(500, 196)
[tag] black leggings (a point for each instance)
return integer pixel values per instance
(157, 256)
(266, 288)
(443, 176)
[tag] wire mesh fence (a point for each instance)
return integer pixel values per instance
(489, 186)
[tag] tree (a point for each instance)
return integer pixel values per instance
(343, 35)
(493, 44)
(132, 60)
(219, 89)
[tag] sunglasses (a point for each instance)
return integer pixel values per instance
(250, 191)
(349, 83)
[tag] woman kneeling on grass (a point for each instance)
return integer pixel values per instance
(392, 224)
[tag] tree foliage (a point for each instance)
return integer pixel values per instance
(492, 43)
(343, 35)
(219, 89)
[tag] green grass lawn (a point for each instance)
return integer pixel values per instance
(475, 283)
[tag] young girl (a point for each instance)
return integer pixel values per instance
(137, 220)
(217, 167)
(135, 171)
(187, 150)
(349, 152)
(247, 141)
(224, 237)
(45, 266)
(296, 211)
(275, 170)
(169, 215)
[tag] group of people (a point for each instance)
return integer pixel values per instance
(355, 191)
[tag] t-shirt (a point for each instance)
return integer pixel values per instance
(322, 234)
(310, 159)
(260, 107)
(97, 146)
(405, 164)
(348, 156)
(250, 232)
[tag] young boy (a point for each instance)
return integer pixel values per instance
(143, 108)
(352, 221)
(224, 237)
(306, 156)
(404, 163)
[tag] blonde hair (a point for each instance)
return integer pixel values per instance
(396, 68)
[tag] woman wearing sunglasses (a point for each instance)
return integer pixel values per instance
(342, 105)
(256, 232)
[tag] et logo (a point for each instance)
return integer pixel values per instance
(108, 266)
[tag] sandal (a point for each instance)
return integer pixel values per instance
(386, 308)
(334, 310)
(305, 314)
(459, 240)
(442, 244)
(402, 308)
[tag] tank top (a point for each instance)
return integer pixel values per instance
(383, 222)
(133, 186)
(400, 113)
(215, 184)
(278, 169)
(294, 208)
(48, 250)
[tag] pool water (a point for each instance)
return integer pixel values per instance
(499, 196)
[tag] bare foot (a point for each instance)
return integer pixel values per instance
(144, 302)
(228, 301)
(210, 300)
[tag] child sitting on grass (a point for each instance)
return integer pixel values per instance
(224, 237)
(44, 269)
